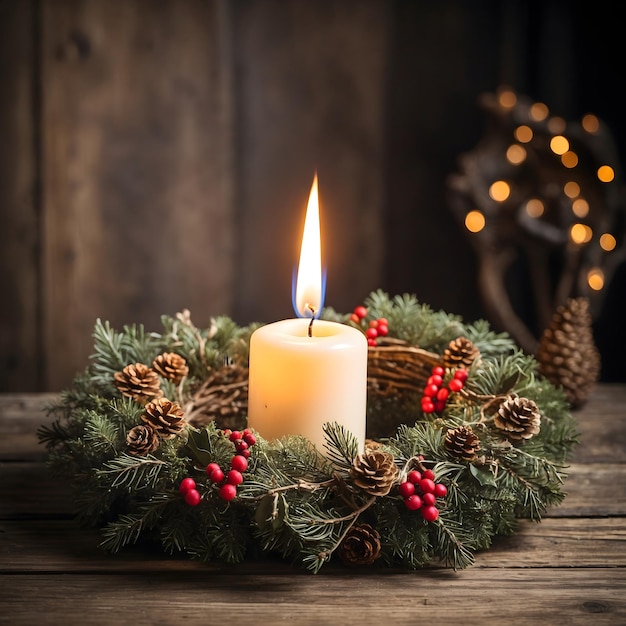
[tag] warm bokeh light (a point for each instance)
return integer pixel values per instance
(500, 190)
(571, 189)
(507, 99)
(516, 154)
(580, 233)
(556, 125)
(607, 242)
(474, 221)
(523, 133)
(591, 123)
(309, 283)
(535, 208)
(539, 111)
(606, 173)
(580, 207)
(559, 144)
(595, 278)
(569, 159)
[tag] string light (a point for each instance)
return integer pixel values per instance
(500, 190)
(607, 242)
(516, 154)
(595, 278)
(474, 221)
(535, 208)
(559, 144)
(606, 174)
(539, 111)
(580, 208)
(523, 133)
(571, 189)
(580, 233)
(591, 123)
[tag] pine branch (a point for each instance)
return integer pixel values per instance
(133, 472)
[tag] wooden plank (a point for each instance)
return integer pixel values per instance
(137, 206)
(20, 359)
(310, 90)
(525, 597)
(53, 545)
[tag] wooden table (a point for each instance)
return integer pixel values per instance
(569, 569)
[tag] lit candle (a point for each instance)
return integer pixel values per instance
(305, 372)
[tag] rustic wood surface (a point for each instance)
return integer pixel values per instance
(569, 569)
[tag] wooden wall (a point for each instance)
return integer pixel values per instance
(157, 155)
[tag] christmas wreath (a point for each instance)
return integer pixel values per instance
(464, 438)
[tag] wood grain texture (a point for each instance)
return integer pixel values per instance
(19, 225)
(137, 209)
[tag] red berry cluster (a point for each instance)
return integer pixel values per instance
(375, 328)
(420, 491)
(436, 394)
(229, 481)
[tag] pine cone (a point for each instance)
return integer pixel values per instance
(374, 471)
(142, 440)
(567, 354)
(138, 382)
(165, 417)
(171, 366)
(461, 352)
(519, 418)
(361, 546)
(462, 442)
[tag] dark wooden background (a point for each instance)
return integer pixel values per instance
(157, 155)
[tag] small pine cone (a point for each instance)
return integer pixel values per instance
(142, 440)
(567, 354)
(519, 418)
(361, 546)
(374, 471)
(461, 352)
(139, 382)
(462, 442)
(171, 366)
(165, 417)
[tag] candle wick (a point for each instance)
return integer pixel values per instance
(312, 309)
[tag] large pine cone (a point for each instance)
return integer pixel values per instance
(165, 417)
(518, 418)
(171, 366)
(139, 382)
(361, 546)
(567, 354)
(462, 442)
(142, 440)
(374, 471)
(461, 352)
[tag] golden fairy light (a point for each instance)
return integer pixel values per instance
(580, 208)
(507, 99)
(556, 125)
(559, 144)
(607, 242)
(516, 154)
(500, 190)
(538, 111)
(569, 159)
(606, 173)
(474, 221)
(580, 233)
(591, 123)
(571, 189)
(595, 278)
(523, 133)
(534, 208)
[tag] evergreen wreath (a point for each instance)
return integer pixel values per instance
(153, 438)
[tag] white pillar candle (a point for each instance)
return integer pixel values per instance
(297, 383)
(306, 372)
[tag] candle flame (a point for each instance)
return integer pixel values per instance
(309, 292)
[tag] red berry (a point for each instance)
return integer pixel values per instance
(461, 375)
(435, 379)
(217, 475)
(211, 467)
(241, 445)
(440, 405)
(373, 324)
(440, 490)
(430, 513)
(192, 497)
(235, 436)
(428, 474)
(383, 320)
(429, 499)
(455, 385)
(234, 477)
(239, 463)
(431, 390)
(360, 312)
(228, 491)
(383, 329)
(355, 318)
(413, 502)
(428, 406)
(249, 438)
(443, 394)
(371, 342)
(406, 489)
(186, 484)
(438, 371)
(414, 477)
(427, 485)
(371, 333)
(245, 453)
